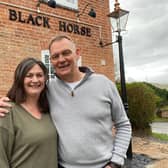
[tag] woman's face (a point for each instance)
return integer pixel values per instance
(34, 81)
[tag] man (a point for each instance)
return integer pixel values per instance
(84, 107)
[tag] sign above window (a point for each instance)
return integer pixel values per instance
(71, 4)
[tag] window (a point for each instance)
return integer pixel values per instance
(72, 4)
(79, 63)
(46, 60)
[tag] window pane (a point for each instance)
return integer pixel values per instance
(45, 59)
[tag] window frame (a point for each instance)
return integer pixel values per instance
(44, 54)
(67, 4)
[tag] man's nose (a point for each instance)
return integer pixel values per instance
(61, 58)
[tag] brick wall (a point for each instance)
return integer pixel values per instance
(19, 39)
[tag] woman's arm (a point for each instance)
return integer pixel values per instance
(6, 140)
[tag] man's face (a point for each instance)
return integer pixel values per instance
(64, 57)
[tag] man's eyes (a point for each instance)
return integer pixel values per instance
(63, 53)
(55, 56)
(66, 52)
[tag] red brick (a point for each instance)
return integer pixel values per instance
(18, 40)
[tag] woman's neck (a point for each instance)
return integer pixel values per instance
(31, 106)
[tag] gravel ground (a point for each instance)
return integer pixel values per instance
(148, 153)
(139, 161)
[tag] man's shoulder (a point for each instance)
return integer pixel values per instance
(103, 80)
(52, 81)
(101, 77)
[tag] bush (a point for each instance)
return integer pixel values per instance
(161, 93)
(142, 103)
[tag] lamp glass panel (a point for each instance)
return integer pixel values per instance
(119, 20)
(123, 22)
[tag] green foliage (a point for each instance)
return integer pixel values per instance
(161, 93)
(142, 103)
(163, 137)
(159, 119)
(145, 102)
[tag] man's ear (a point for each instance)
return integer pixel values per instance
(78, 52)
(78, 55)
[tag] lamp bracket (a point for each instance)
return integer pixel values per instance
(80, 13)
(41, 1)
(50, 3)
(83, 10)
(102, 45)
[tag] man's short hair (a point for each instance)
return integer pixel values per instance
(59, 38)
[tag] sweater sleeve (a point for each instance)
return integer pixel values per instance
(6, 140)
(122, 127)
(5, 148)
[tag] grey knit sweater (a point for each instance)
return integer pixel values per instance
(84, 118)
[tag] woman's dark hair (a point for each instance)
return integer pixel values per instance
(17, 93)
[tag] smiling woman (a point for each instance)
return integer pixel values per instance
(27, 134)
(34, 81)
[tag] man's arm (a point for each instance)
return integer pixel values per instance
(4, 103)
(122, 127)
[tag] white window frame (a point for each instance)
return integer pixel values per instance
(72, 4)
(79, 63)
(44, 54)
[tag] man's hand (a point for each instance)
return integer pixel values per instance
(3, 105)
(112, 165)
(108, 166)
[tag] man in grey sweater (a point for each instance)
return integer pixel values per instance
(84, 107)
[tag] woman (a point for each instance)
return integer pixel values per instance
(28, 138)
